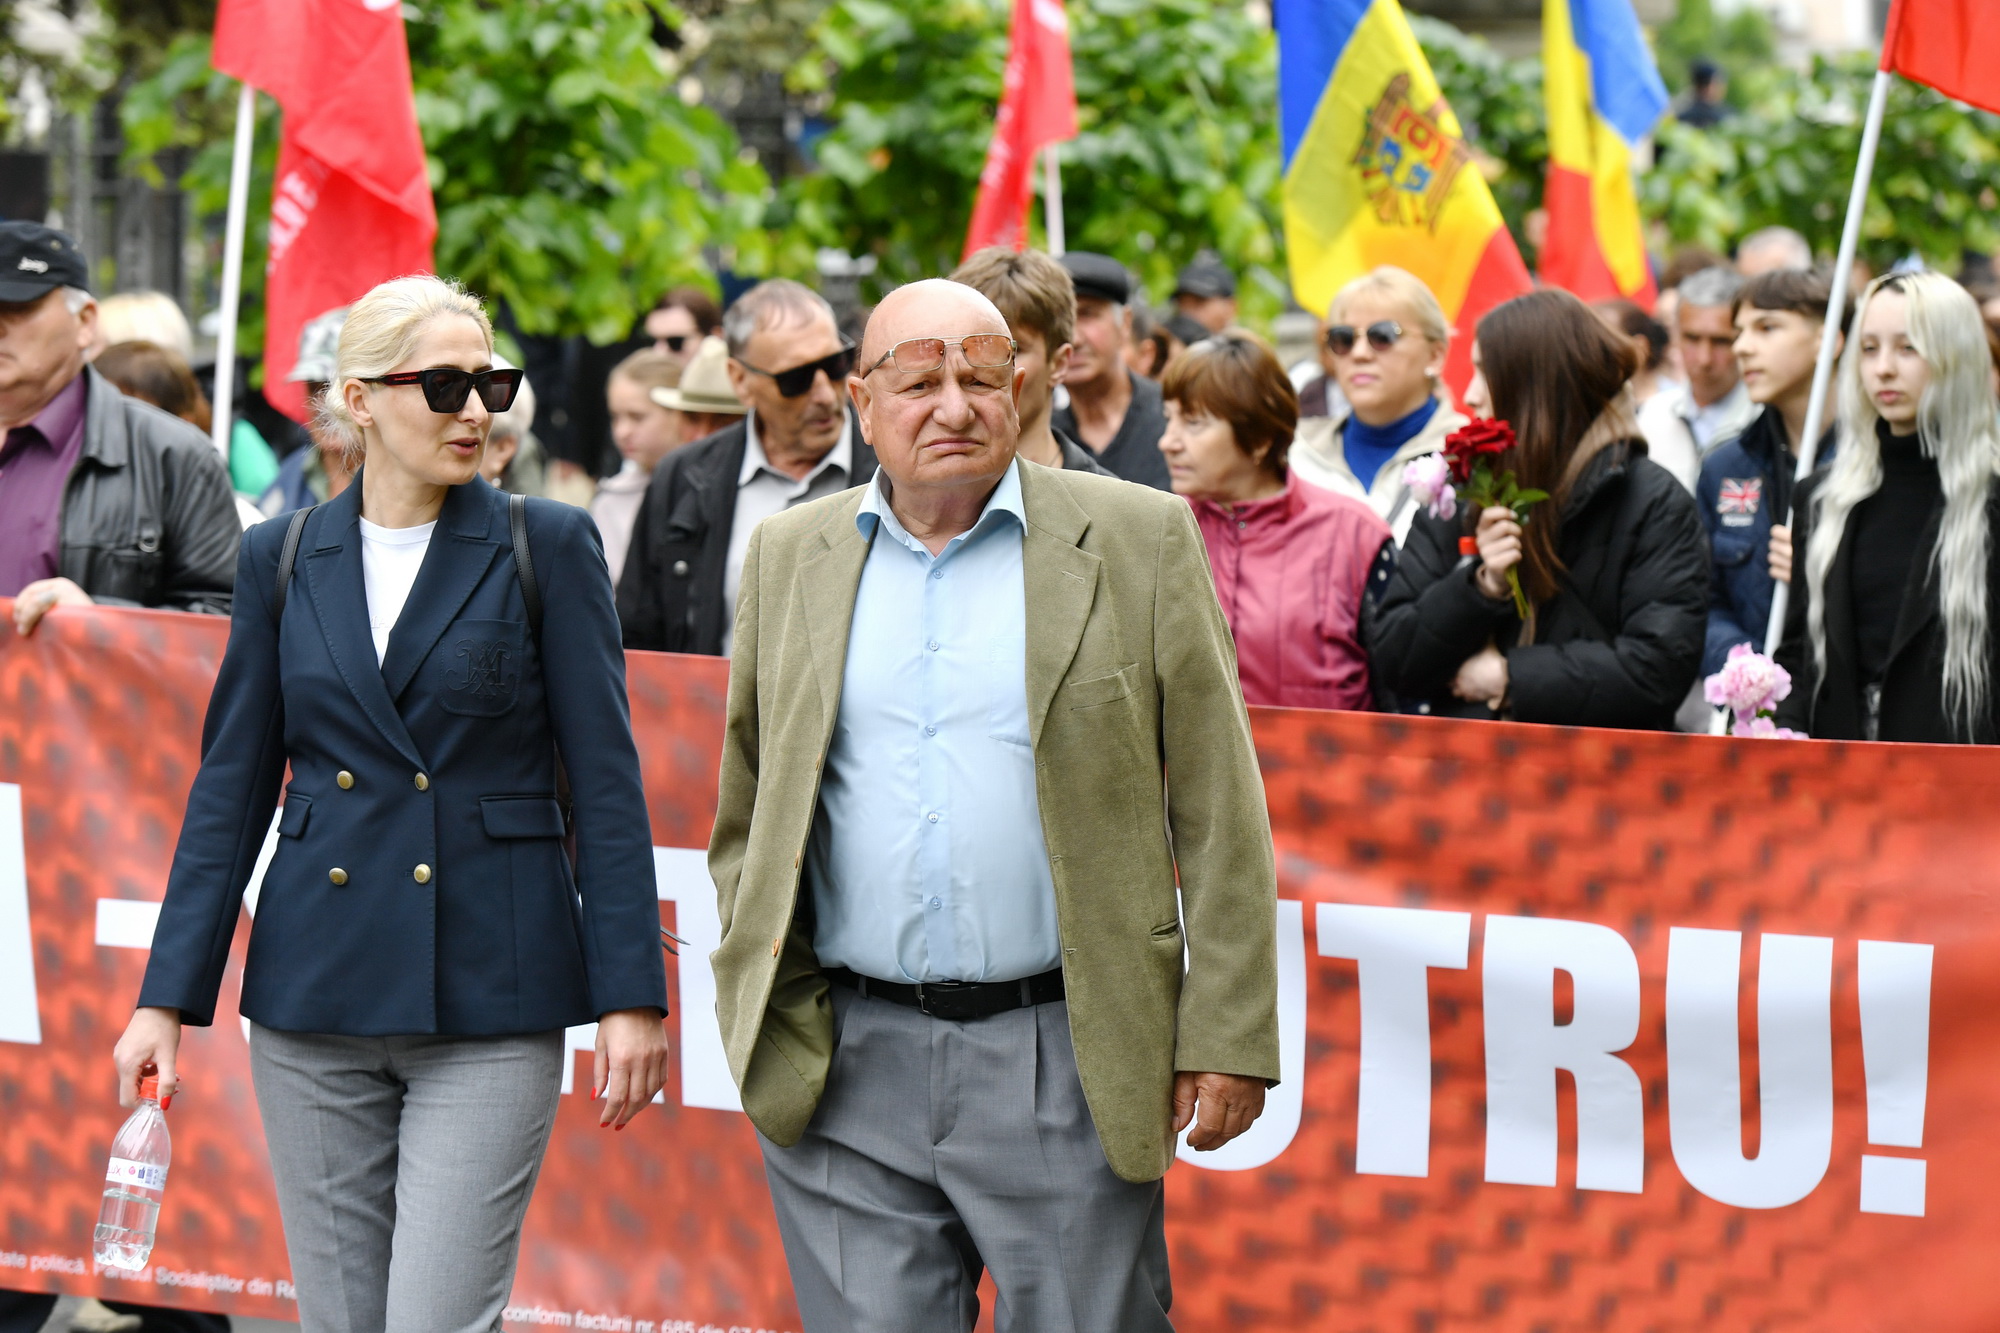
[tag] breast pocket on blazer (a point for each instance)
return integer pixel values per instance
(479, 664)
(1100, 690)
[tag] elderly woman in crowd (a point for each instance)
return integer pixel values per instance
(1293, 563)
(1386, 338)
(1890, 632)
(1613, 565)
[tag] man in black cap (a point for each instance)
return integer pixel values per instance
(1206, 293)
(1115, 414)
(103, 498)
(1707, 87)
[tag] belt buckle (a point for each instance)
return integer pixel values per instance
(935, 999)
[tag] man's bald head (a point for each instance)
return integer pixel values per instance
(931, 308)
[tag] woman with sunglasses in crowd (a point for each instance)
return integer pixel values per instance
(1890, 632)
(420, 943)
(1614, 565)
(1386, 338)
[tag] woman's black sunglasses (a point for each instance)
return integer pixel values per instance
(799, 379)
(447, 387)
(1382, 335)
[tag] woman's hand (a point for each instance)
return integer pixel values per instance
(152, 1038)
(631, 1063)
(1483, 677)
(1499, 538)
(1781, 553)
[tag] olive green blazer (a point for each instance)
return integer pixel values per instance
(1131, 677)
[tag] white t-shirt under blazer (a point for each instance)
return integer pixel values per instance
(390, 559)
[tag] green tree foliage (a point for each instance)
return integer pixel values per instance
(1178, 147)
(571, 180)
(1788, 159)
(1741, 42)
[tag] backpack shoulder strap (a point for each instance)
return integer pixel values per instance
(524, 563)
(288, 556)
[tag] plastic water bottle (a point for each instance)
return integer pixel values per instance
(134, 1183)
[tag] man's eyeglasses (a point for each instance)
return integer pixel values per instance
(671, 342)
(799, 379)
(920, 356)
(1382, 335)
(447, 387)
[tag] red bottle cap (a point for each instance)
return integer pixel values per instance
(149, 1088)
(1468, 546)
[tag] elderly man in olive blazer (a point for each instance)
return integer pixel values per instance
(984, 720)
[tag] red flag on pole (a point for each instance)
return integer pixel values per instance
(1037, 108)
(351, 205)
(1949, 45)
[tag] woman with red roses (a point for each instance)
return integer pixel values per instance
(1612, 568)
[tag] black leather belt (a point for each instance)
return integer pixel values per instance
(959, 1000)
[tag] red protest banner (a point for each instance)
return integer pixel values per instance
(1593, 1030)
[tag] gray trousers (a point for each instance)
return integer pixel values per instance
(404, 1166)
(941, 1148)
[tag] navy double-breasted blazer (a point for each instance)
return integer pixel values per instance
(420, 883)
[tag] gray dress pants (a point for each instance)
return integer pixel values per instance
(942, 1148)
(404, 1166)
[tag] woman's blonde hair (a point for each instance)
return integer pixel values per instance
(381, 331)
(1955, 424)
(1404, 286)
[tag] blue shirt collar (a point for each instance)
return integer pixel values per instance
(875, 512)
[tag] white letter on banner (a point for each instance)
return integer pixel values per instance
(1794, 1065)
(20, 1011)
(681, 876)
(1394, 947)
(1893, 983)
(1525, 1047)
(1263, 1142)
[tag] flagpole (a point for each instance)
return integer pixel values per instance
(1829, 337)
(1052, 198)
(232, 268)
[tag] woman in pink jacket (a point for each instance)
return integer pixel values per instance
(1293, 563)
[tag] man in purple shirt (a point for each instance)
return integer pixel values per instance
(102, 498)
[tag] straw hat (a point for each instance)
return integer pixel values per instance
(704, 385)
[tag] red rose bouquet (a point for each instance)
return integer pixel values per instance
(1471, 457)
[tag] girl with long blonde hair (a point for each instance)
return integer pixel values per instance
(1890, 635)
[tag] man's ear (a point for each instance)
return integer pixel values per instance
(863, 396)
(1059, 362)
(1020, 378)
(86, 324)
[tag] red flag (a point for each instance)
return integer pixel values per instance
(351, 206)
(1949, 45)
(1037, 108)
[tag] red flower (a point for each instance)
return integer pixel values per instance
(1480, 437)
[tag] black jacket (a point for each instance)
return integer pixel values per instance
(420, 883)
(671, 594)
(1618, 645)
(148, 518)
(1912, 699)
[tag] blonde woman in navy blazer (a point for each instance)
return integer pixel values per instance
(420, 942)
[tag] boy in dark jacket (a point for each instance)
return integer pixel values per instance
(1746, 483)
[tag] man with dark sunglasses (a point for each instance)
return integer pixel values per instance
(789, 363)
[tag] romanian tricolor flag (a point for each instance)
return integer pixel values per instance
(1377, 170)
(1604, 96)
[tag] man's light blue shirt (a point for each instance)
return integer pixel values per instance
(927, 861)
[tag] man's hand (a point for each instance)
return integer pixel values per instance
(40, 597)
(1221, 1106)
(631, 1063)
(1781, 553)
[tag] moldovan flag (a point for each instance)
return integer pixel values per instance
(1604, 96)
(351, 205)
(1950, 45)
(1037, 108)
(1377, 170)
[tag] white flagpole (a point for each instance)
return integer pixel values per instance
(1829, 338)
(232, 268)
(1052, 198)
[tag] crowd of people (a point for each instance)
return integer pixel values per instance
(1264, 527)
(1341, 589)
